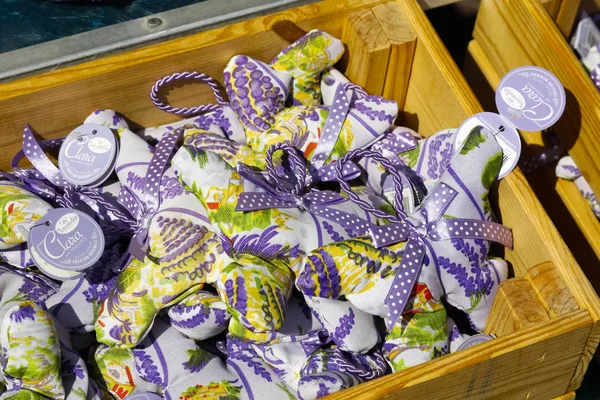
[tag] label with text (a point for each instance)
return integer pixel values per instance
(66, 239)
(88, 155)
(531, 98)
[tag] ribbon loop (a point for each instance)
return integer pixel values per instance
(417, 231)
(392, 170)
(333, 126)
(46, 180)
(149, 207)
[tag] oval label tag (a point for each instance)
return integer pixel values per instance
(505, 134)
(88, 155)
(66, 239)
(531, 98)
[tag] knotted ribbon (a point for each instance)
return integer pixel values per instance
(45, 179)
(289, 190)
(146, 210)
(417, 231)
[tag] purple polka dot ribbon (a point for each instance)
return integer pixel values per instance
(417, 234)
(333, 126)
(148, 208)
(35, 154)
(288, 190)
(45, 171)
(399, 142)
(327, 172)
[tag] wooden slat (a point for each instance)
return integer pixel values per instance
(541, 41)
(565, 17)
(502, 368)
(383, 41)
(56, 102)
(568, 396)
(403, 40)
(552, 292)
(515, 307)
(551, 6)
(368, 43)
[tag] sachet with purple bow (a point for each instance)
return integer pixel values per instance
(402, 270)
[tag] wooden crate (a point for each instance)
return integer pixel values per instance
(509, 34)
(546, 318)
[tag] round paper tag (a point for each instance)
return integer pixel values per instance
(531, 98)
(66, 239)
(51, 271)
(505, 134)
(88, 155)
(475, 340)
(143, 396)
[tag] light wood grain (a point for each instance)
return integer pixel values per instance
(568, 396)
(545, 183)
(566, 15)
(554, 295)
(369, 44)
(539, 362)
(544, 46)
(402, 37)
(383, 42)
(515, 307)
(551, 7)
(500, 369)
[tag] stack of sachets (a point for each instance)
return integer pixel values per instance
(296, 244)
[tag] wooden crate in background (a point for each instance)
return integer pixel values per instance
(514, 33)
(546, 318)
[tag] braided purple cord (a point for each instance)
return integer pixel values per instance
(359, 90)
(108, 206)
(298, 166)
(214, 85)
(360, 153)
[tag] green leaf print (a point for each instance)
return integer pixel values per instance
(286, 389)
(79, 392)
(399, 365)
(411, 157)
(5, 230)
(26, 395)
(198, 358)
(474, 139)
(241, 221)
(488, 176)
(223, 390)
(423, 329)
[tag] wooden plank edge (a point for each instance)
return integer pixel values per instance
(577, 282)
(465, 358)
(181, 45)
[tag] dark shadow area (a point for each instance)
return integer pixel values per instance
(569, 125)
(288, 31)
(454, 24)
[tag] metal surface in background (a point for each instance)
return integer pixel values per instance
(91, 44)
(134, 33)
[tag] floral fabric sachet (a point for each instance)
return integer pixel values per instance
(288, 242)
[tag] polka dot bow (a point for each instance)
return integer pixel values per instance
(418, 234)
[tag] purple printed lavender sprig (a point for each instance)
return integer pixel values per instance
(146, 368)
(346, 323)
(24, 312)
